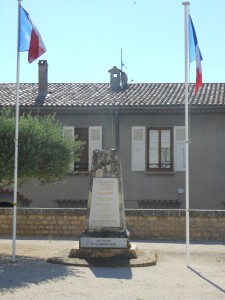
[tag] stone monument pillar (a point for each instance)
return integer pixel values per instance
(105, 224)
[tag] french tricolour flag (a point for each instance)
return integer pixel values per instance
(29, 38)
(195, 54)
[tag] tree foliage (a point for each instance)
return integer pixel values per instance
(45, 153)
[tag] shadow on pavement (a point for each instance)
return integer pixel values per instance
(207, 280)
(113, 273)
(30, 270)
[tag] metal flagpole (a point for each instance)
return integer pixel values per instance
(16, 141)
(186, 26)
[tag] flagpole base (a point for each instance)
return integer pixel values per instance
(13, 261)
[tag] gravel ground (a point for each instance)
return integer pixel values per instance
(33, 278)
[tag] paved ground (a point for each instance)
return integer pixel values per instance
(33, 278)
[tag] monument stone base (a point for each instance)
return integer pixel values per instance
(85, 253)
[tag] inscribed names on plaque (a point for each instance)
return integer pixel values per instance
(104, 203)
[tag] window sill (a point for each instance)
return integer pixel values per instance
(159, 172)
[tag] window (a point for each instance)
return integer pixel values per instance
(82, 135)
(158, 149)
(92, 136)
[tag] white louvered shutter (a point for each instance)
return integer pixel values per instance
(95, 142)
(138, 148)
(69, 130)
(179, 148)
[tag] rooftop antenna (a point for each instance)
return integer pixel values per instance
(122, 64)
(123, 77)
(121, 60)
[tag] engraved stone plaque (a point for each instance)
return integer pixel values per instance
(104, 209)
(91, 242)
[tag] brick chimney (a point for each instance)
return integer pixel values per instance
(42, 81)
(43, 75)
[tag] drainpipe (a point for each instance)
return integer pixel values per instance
(117, 123)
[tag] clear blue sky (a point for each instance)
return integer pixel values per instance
(84, 39)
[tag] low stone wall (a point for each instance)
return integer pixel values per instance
(161, 224)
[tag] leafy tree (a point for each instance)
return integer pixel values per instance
(45, 153)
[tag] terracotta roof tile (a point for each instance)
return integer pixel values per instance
(101, 95)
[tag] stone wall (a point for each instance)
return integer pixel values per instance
(142, 223)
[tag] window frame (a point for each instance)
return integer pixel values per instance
(160, 168)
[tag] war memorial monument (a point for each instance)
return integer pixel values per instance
(106, 240)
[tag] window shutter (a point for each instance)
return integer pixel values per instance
(95, 142)
(69, 130)
(138, 149)
(179, 148)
